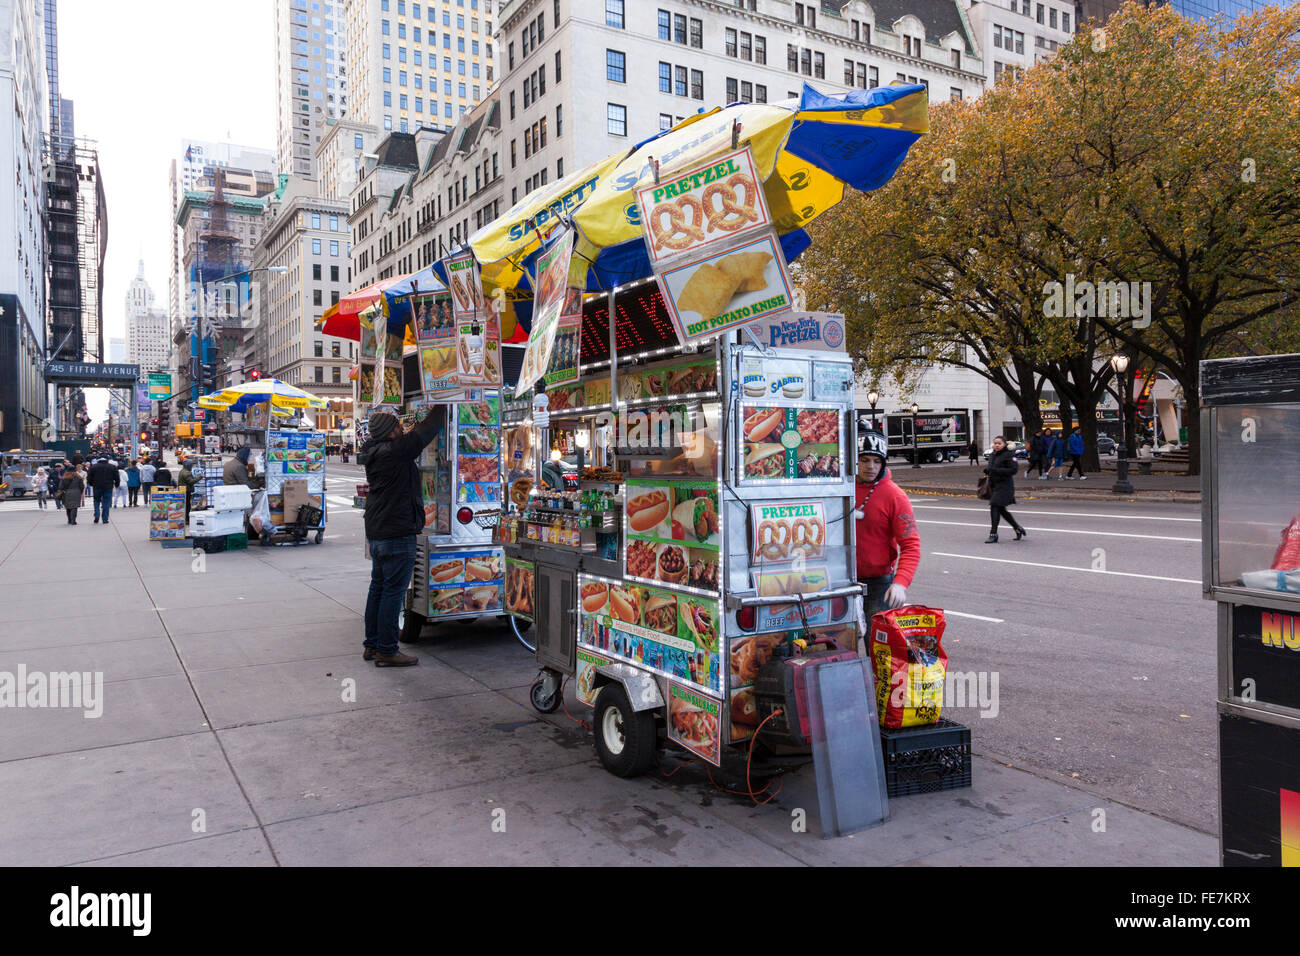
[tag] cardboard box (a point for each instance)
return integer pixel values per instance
(295, 495)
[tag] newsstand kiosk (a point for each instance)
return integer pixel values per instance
(1250, 467)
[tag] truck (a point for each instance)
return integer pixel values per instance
(941, 435)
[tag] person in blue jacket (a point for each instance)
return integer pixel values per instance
(1075, 447)
(1055, 455)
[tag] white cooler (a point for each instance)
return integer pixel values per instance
(208, 524)
(231, 498)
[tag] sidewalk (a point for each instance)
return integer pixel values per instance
(240, 726)
(960, 478)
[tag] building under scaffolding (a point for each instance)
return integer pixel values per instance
(76, 229)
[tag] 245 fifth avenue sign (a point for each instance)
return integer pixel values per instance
(91, 373)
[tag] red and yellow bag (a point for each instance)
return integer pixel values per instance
(910, 664)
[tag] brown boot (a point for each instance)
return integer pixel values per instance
(395, 660)
(369, 654)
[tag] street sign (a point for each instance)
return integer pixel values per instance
(160, 386)
(91, 373)
(199, 414)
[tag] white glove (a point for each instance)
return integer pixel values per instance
(896, 596)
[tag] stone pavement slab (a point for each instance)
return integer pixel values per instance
(241, 848)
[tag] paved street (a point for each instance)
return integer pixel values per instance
(226, 737)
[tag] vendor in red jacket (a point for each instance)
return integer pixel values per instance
(889, 547)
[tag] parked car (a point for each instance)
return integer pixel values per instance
(1106, 445)
(1017, 449)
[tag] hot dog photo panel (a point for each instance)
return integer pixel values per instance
(466, 582)
(784, 443)
(673, 533)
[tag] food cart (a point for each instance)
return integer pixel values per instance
(1250, 456)
(703, 528)
(292, 505)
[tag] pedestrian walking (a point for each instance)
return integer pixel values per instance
(71, 488)
(162, 478)
(974, 452)
(1075, 448)
(187, 481)
(41, 485)
(119, 496)
(147, 470)
(393, 517)
(888, 544)
(1055, 454)
(102, 479)
(56, 476)
(1002, 483)
(133, 483)
(1037, 449)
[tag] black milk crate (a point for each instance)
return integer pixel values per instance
(926, 759)
(309, 516)
(211, 545)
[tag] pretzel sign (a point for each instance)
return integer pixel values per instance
(682, 230)
(730, 214)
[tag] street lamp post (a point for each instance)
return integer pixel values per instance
(1122, 486)
(873, 397)
(916, 445)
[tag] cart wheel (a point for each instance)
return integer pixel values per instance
(543, 702)
(319, 536)
(410, 625)
(520, 627)
(625, 739)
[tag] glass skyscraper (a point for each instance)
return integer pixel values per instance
(1100, 10)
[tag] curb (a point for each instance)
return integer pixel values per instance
(1163, 497)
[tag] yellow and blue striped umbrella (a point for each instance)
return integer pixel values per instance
(281, 395)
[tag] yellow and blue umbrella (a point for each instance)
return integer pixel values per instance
(806, 149)
(284, 398)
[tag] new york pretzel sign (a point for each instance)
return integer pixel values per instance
(691, 209)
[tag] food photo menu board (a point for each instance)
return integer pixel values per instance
(166, 514)
(672, 634)
(466, 582)
(673, 532)
(295, 454)
(791, 442)
(478, 447)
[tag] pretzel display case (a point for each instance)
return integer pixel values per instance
(1250, 459)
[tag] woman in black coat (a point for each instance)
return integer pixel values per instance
(1002, 482)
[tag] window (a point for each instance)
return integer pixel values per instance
(557, 67)
(954, 94)
(697, 84)
(997, 36)
(732, 93)
(760, 49)
(388, 122)
(792, 58)
(315, 220)
(875, 77)
(819, 66)
(805, 62)
(1020, 42)
(1065, 21)
(383, 27)
(335, 375)
(559, 169)
(319, 347)
(729, 40)
(760, 93)
(665, 121)
(746, 46)
(1039, 12)
(357, 142)
(388, 98)
(616, 114)
(315, 247)
(697, 33)
(401, 31)
(1051, 17)
(334, 247)
(512, 104)
(334, 273)
(401, 101)
(387, 52)
(679, 28)
(315, 271)
(401, 77)
(665, 25)
(559, 121)
(513, 154)
(614, 16)
(956, 59)
(665, 77)
(679, 87)
(510, 55)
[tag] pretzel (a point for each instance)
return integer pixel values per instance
(680, 233)
(774, 540)
(731, 214)
(807, 536)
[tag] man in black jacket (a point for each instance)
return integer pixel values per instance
(394, 516)
(103, 478)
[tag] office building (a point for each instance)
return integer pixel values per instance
(417, 64)
(310, 79)
(148, 342)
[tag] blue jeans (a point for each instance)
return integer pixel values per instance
(103, 499)
(391, 563)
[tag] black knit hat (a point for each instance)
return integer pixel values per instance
(381, 424)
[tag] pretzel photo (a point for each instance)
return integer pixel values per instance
(807, 536)
(680, 232)
(731, 214)
(774, 540)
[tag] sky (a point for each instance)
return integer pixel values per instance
(143, 75)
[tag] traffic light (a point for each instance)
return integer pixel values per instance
(144, 436)
(254, 375)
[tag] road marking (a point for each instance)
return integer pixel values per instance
(974, 617)
(1104, 534)
(1065, 567)
(1065, 514)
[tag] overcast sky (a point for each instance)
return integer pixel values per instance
(144, 75)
